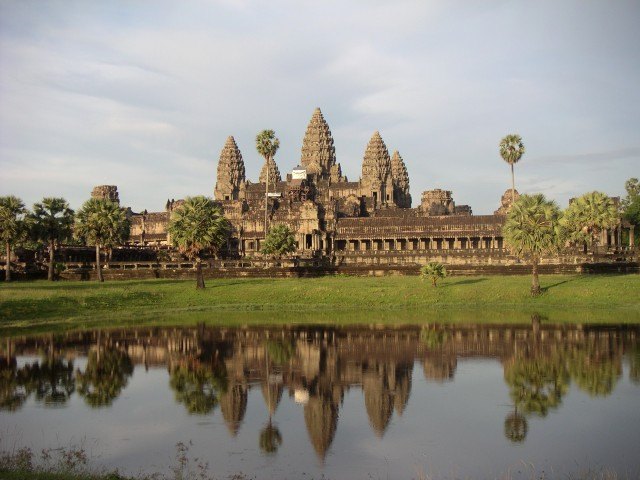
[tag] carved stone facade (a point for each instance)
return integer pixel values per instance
(331, 216)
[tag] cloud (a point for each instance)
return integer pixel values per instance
(144, 96)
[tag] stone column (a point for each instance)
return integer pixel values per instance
(631, 237)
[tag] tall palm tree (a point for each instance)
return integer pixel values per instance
(267, 145)
(196, 227)
(587, 216)
(52, 220)
(532, 230)
(103, 223)
(12, 226)
(511, 150)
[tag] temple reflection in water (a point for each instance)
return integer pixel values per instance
(215, 368)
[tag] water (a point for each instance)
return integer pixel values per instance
(445, 401)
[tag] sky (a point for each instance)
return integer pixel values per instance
(143, 94)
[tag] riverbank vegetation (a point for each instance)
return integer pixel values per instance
(398, 299)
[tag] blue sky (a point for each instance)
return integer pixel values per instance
(143, 94)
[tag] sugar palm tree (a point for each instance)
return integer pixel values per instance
(587, 216)
(195, 227)
(434, 271)
(532, 230)
(103, 223)
(511, 150)
(267, 145)
(12, 226)
(52, 220)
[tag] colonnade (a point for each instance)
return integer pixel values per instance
(395, 244)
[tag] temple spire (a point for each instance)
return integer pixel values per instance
(400, 177)
(376, 170)
(231, 172)
(318, 153)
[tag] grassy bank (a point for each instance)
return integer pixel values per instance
(51, 306)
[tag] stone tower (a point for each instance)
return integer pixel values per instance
(230, 172)
(376, 172)
(318, 153)
(106, 192)
(274, 173)
(400, 177)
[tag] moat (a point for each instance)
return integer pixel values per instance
(411, 401)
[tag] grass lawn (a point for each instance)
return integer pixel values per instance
(42, 305)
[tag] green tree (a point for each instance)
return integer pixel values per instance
(51, 223)
(267, 145)
(196, 227)
(532, 230)
(279, 241)
(587, 216)
(511, 151)
(102, 223)
(631, 203)
(434, 271)
(13, 226)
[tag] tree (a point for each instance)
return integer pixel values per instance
(12, 226)
(267, 145)
(197, 226)
(631, 203)
(587, 216)
(103, 223)
(279, 241)
(531, 230)
(511, 150)
(434, 271)
(51, 221)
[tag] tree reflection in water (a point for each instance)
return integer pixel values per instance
(197, 386)
(105, 376)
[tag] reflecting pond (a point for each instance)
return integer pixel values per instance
(366, 401)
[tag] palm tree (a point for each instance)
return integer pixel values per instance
(532, 230)
(103, 223)
(587, 216)
(267, 145)
(434, 271)
(12, 226)
(52, 220)
(511, 150)
(195, 227)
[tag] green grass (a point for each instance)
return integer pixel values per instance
(44, 306)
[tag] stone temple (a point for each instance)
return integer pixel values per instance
(369, 220)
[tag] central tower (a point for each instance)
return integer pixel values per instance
(318, 153)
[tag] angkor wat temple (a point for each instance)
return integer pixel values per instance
(369, 221)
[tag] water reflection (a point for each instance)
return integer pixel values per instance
(210, 368)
